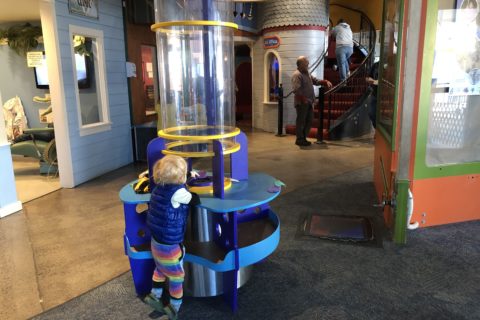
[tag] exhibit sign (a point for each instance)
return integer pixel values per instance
(271, 42)
(86, 8)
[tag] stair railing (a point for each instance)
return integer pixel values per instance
(343, 96)
(320, 59)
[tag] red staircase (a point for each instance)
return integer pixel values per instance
(344, 109)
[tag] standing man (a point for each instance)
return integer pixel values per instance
(344, 47)
(302, 84)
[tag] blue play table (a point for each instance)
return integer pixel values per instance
(245, 231)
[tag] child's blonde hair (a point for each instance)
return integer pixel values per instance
(170, 169)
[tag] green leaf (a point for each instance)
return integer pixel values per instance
(279, 183)
(22, 38)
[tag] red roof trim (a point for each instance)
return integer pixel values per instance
(287, 28)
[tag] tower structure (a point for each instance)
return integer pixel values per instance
(289, 29)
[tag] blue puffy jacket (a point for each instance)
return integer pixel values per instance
(167, 224)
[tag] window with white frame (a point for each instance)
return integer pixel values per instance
(272, 77)
(88, 61)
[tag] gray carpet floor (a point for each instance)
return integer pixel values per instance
(436, 275)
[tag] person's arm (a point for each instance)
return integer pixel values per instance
(182, 196)
(370, 80)
(321, 82)
(334, 32)
(326, 83)
(296, 85)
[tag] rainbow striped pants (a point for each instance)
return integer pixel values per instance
(169, 265)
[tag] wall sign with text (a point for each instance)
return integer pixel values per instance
(34, 59)
(271, 42)
(86, 8)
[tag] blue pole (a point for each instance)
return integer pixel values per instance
(208, 68)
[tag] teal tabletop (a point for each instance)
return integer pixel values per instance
(242, 195)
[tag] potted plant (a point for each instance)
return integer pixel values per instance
(80, 47)
(22, 38)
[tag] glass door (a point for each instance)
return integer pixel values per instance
(389, 74)
(449, 116)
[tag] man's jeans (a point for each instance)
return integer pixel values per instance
(343, 53)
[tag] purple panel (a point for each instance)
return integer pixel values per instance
(218, 170)
(135, 222)
(239, 159)
(189, 163)
(142, 270)
(230, 291)
(154, 153)
(230, 285)
(254, 213)
(229, 232)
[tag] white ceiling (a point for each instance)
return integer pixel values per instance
(19, 10)
(27, 10)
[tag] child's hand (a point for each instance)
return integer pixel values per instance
(198, 174)
(194, 174)
(144, 174)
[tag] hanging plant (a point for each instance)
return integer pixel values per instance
(22, 38)
(79, 46)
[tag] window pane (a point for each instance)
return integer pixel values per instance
(86, 55)
(389, 71)
(149, 77)
(273, 77)
(453, 126)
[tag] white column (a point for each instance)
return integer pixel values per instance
(8, 192)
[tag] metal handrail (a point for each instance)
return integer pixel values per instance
(316, 64)
(353, 74)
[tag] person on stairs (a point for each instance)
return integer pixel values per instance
(344, 47)
(167, 220)
(302, 85)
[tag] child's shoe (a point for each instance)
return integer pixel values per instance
(155, 303)
(171, 312)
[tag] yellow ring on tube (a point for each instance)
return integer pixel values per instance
(231, 148)
(165, 134)
(160, 25)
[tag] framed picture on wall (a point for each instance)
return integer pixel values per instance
(85, 8)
